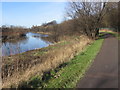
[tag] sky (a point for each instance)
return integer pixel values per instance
(32, 13)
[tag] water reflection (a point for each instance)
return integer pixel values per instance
(30, 42)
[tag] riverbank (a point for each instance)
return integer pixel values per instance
(68, 73)
(12, 32)
(44, 33)
(20, 67)
(39, 32)
(114, 34)
(24, 66)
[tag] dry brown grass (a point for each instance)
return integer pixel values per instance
(50, 60)
(47, 33)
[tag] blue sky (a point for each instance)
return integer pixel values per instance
(32, 13)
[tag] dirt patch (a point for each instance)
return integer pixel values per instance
(21, 67)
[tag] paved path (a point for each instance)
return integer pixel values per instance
(104, 71)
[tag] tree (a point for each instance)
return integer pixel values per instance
(110, 19)
(118, 17)
(88, 16)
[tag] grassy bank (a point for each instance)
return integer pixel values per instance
(112, 33)
(20, 67)
(67, 74)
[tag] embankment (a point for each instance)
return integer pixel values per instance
(12, 33)
(21, 67)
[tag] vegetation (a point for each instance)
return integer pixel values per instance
(109, 32)
(110, 20)
(88, 16)
(67, 74)
(53, 65)
(82, 20)
(11, 32)
(35, 61)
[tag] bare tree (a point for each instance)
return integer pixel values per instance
(88, 15)
(111, 17)
(119, 17)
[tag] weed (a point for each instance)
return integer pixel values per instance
(67, 74)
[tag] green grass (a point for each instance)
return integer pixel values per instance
(75, 69)
(67, 74)
(115, 34)
(39, 53)
(57, 46)
(51, 47)
(64, 43)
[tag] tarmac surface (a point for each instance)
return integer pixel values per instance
(103, 73)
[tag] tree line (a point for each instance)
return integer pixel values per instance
(90, 16)
(84, 18)
(12, 32)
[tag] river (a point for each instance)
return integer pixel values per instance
(30, 42)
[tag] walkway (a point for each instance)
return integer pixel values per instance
(104, 71)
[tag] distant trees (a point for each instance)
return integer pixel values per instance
(10, 32)
(49, 23)
(118, 17)
(111, 17)
(88, 16)
(45, 27)
(13, 29)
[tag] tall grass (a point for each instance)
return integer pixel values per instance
(67, 74)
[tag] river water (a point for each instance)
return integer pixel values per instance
(30, 42)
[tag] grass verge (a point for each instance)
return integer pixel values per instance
(115, 34)
(67, 74)
(26, 65)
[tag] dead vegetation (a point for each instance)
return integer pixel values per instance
(8, 33)
(18, 68)
(68, 37)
